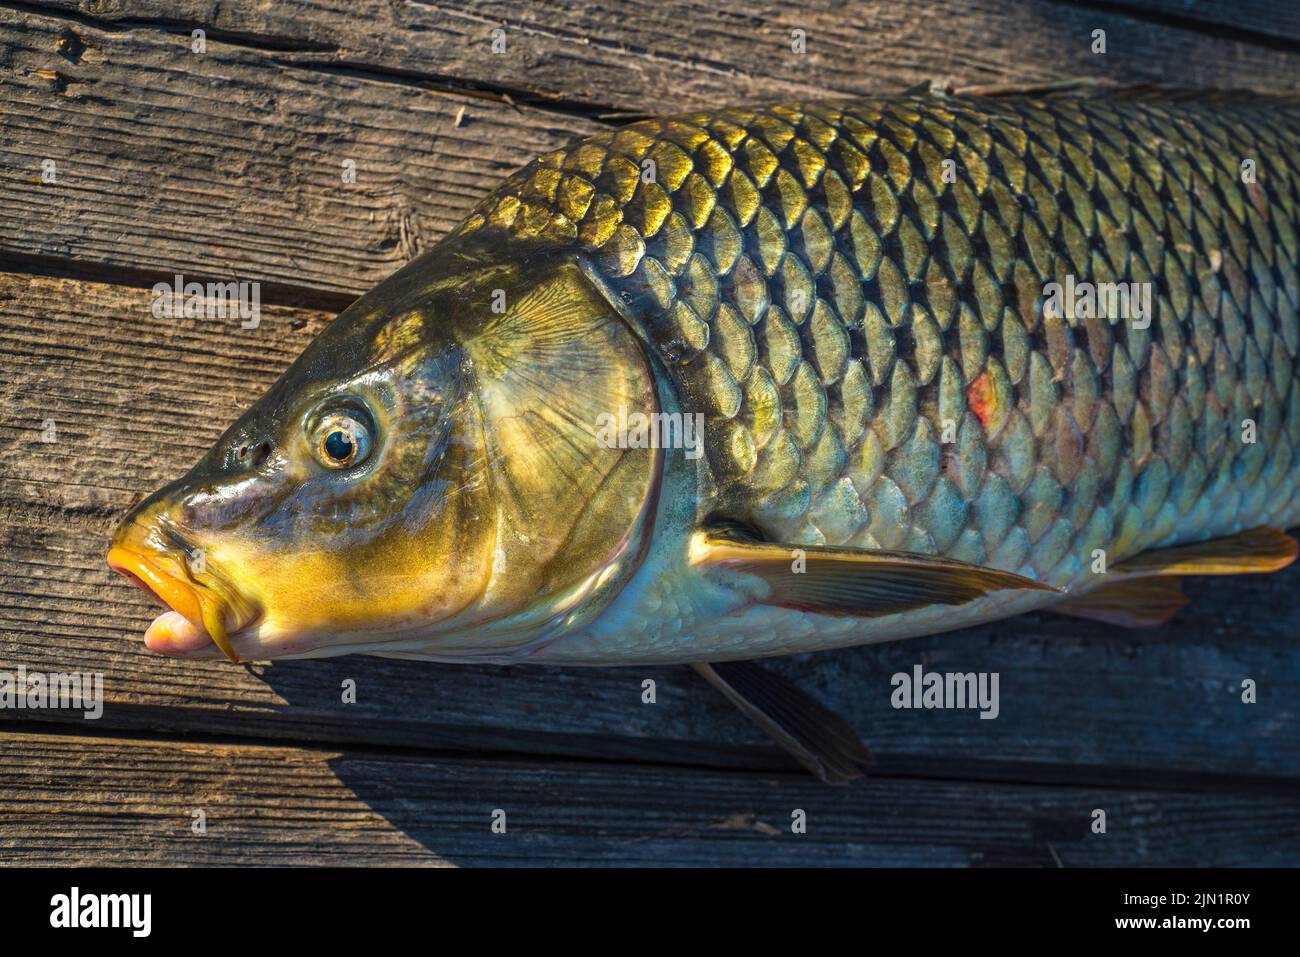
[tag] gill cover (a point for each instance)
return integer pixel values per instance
(570, 511)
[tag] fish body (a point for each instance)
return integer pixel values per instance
(993, 346)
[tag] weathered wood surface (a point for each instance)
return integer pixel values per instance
(628, 56)
(227, 164)
(1255, 21)
(243, 146)
(82, 800)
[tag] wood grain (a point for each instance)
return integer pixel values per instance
(627, 55)
(229, 163)
(135, 400)
(90, 800)
(1255, 21)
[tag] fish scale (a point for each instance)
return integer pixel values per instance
(867, 338)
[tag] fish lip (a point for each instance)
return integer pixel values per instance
(174, 594)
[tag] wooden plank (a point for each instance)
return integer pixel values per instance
(135, 400)
(1257, 21)
(92, 800)
(686, 54)
(229, 163)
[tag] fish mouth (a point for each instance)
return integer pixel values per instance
(189, 622)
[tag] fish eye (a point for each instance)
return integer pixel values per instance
(341, 441)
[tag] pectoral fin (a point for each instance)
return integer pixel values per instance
(854, 581)
(815, 736)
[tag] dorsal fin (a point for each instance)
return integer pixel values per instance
(1068, 87)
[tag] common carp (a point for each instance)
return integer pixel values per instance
(734, 384)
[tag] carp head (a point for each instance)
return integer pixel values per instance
(427, 478)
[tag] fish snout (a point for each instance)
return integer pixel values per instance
(151, 552)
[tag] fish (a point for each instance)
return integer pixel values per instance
(732, 384)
